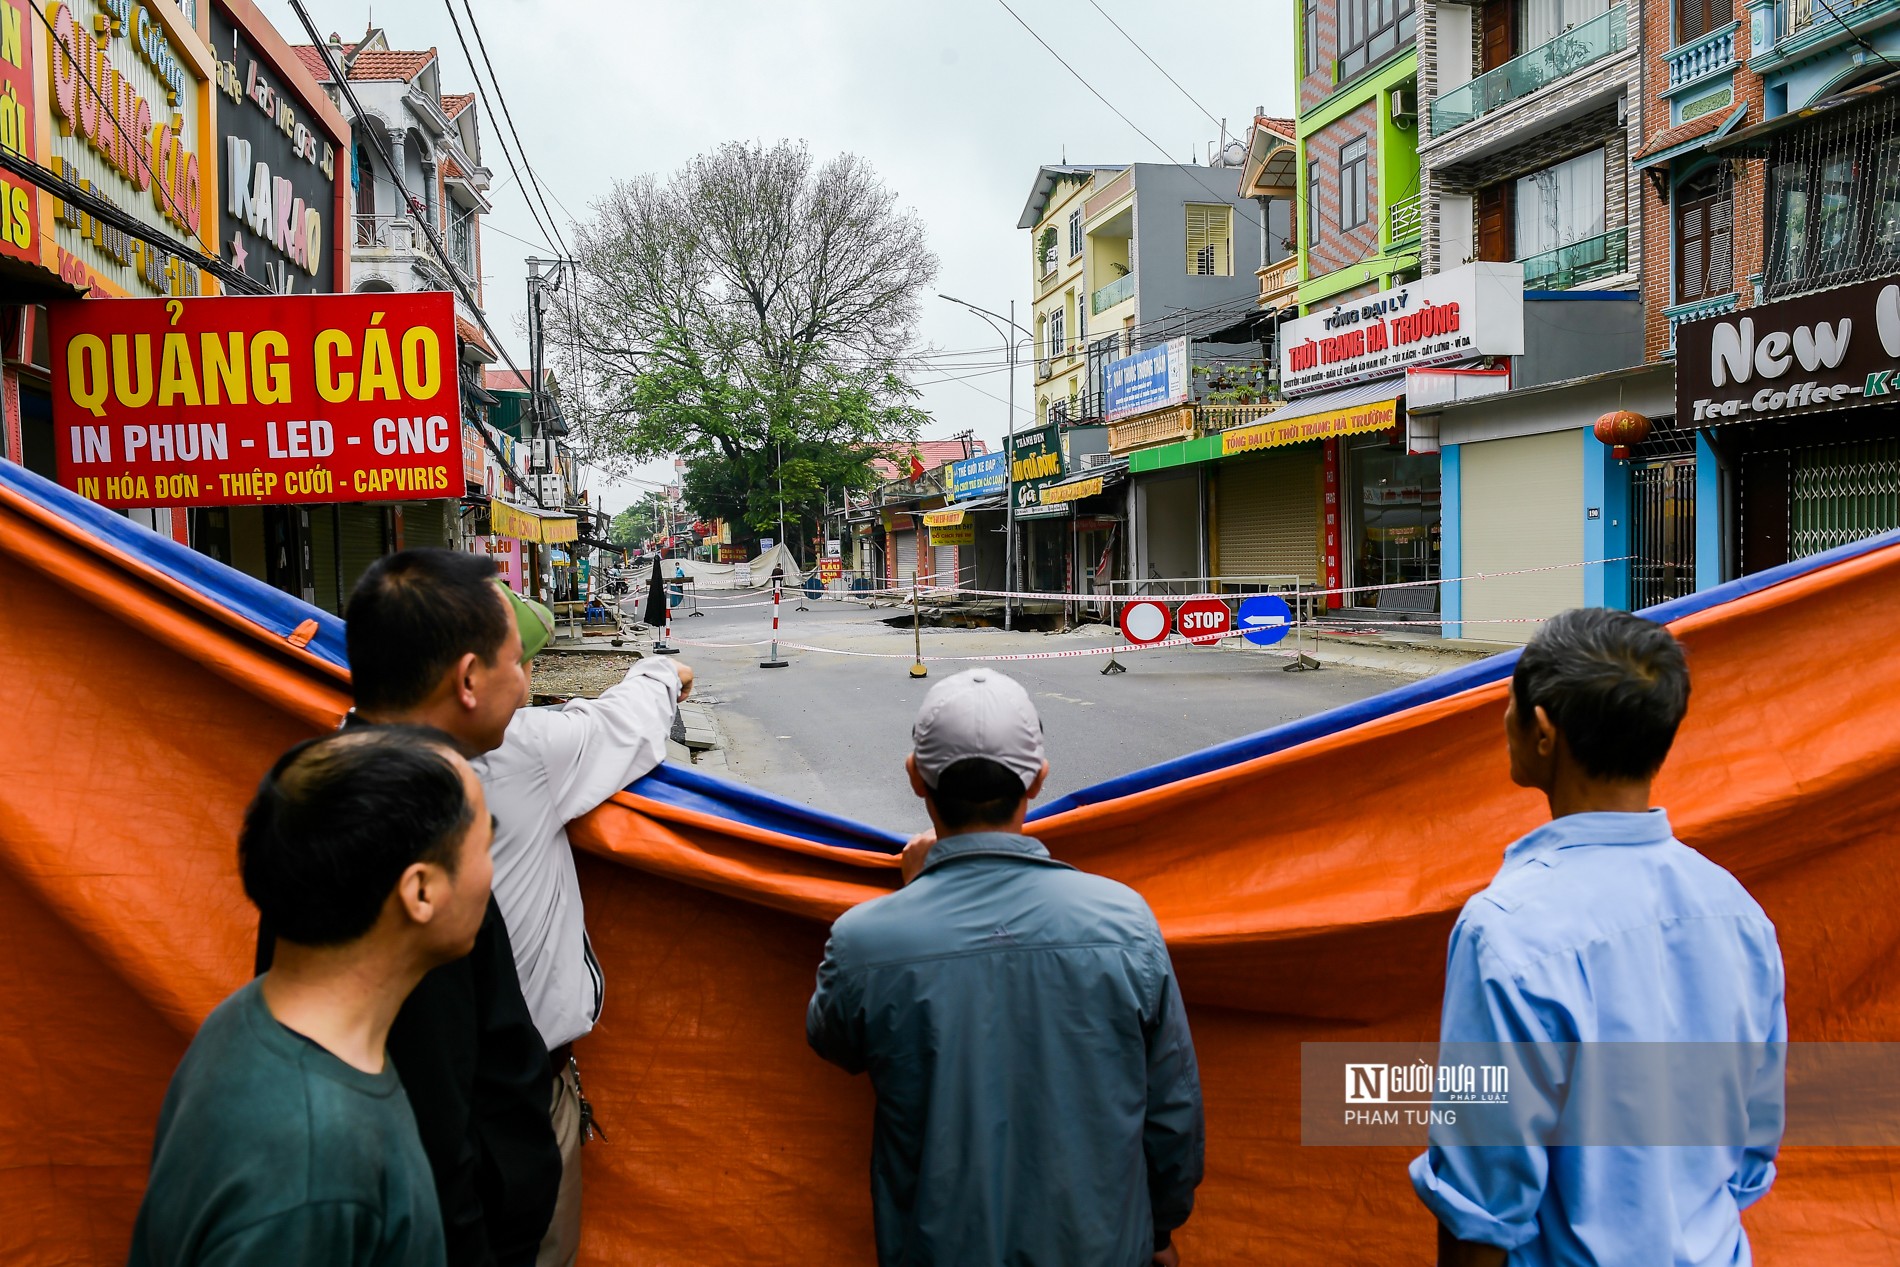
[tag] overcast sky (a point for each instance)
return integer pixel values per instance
(953, 103)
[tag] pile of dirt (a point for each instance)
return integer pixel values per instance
(563, 675)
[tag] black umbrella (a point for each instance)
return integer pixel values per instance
(655, 614)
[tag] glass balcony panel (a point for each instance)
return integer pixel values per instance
(1578, 263)
(1582, 45)
(1113, 293)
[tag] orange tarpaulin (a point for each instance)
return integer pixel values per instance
(1307, 896)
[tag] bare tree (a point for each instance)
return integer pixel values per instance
(754, 313)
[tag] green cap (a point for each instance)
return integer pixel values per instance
(535, 620)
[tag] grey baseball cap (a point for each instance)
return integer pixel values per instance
(977, 713)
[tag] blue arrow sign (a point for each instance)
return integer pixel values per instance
(1263, 619)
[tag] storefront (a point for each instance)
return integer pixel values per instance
(1097, 503)
(539, 535)
(1044, 545)
(1800, 402)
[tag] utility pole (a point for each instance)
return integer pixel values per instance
(1010, 348)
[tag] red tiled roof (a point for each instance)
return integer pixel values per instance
(450, 168)
(379, 63)
(932, 453)
(456, 102)
(312, 60)
(471, 334)
(1283, 126)
(374, 63)
(1670, 138)
(504, 381)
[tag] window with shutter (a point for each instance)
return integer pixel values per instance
(1210, 240)
(1075, 233)
(1696, 18)
(1705, 236)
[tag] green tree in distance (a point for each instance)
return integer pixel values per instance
(754, 314)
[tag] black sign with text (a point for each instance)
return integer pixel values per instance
(1834, 349)
(277, 172)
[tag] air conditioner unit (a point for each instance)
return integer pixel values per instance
(1044, 368)
(1092, 460)
(1404, 104)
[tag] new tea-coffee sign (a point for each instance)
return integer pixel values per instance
(1826, 351)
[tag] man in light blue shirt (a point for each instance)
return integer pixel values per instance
(1602, 928)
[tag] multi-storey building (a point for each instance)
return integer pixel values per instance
(1781, 306)
(433, 140)
(1124, 259)
(1358, 135)
(1531, 121)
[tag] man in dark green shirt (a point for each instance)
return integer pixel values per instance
(285, 1137)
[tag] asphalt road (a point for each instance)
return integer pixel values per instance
(833, 730)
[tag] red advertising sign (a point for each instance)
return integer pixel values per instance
(1145, 621)
(830, 570)
(19, 202)
(258, 401)
(1203, 619)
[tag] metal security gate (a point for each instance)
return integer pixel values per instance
(1662, 531)
(1266, 513)
(1842, 493)
(906, 558)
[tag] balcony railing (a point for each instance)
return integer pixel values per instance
(1709, 55)
(385, 233)
(1573, 265)
(1405, 219)
(1113, 293)
(1580, 46)
(1278, 279)
(1162, 427)
(1695, 310)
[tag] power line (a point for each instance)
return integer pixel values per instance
(500, 140)
(428, 232)
(507, 114)
(1124, 118)
(1157, 65)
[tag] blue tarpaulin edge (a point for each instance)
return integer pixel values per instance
(671, 784)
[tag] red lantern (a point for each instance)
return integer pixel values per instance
(1620, 430)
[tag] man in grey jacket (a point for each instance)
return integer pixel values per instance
(1037, 1096)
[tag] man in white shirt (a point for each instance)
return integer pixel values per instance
(556, 765)
(552, 765)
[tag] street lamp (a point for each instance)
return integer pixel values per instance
(1009, 439)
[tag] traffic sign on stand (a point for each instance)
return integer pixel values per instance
(1203, 619)
(1264, 619)
(1145, 621)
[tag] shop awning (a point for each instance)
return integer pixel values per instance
(993, 501)
(944, 518)
(1345, 411)
(523, 524)
(1076, 487)
(1754, 139)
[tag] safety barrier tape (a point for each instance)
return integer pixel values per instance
(927, 590)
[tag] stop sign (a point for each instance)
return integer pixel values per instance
(1203, 619)
(1144, 622)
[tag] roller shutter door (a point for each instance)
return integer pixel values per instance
(1522, 507)
(1266, 513)
(943, 565)
(364, 541)
(425, 524)
(323, 557)
(906, 557)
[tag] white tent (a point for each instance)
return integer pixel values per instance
(756, 575)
